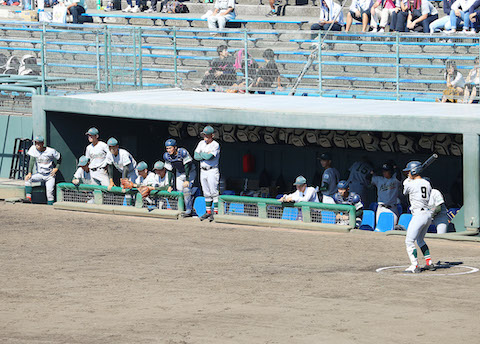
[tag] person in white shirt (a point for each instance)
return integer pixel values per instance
(418, 191)
(46, 161)
(439, 210)
(360, 11)
(145, 177)
(455, 83)
(97, 152)
(304, 193)
(472, 84)
(208, 153)
(459, 13)
(422, 13)
(82, 175)
(381, 13)
(331, 17)
(122, 160)
(223, 12)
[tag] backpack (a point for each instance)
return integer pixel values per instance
(175, 7)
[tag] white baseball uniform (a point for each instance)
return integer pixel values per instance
(388, 190)
(357, 180)
(84, 177)
(98, 161)
(440, 220)
(330, 176)
(123, 160)
(418, 192)
(209, 173)
(309, 195)
(44, 164)
(149, 180)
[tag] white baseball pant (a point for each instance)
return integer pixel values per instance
(328, 199)
(383, 209)
(209, 180)
(100, 176)
(441, 222)
(49, 183)
(417, 228)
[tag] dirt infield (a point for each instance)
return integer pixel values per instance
(70, 277)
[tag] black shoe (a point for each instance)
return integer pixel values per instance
(430, 267)
(271, 14)
(204, 216)
(184, 215)
(211, 217)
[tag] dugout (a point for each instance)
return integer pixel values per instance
(142, 120)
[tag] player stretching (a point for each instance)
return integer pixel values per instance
(179, 159)
(208, 153)
(42, 157)
(418, 191)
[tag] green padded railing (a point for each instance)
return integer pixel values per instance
(240, 209)
(116, 196)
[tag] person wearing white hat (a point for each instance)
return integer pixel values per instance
(208, 153)
(46, 161)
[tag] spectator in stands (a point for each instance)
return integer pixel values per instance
(240, 68)
(272, 12)
(360, 11)
(398, 21)
(331, 17)
(304, 193)
(455, 83)
(268, 74)
(474, 15)
(444, 22)
(76, 8)
(344, 196)
(472, 84)
(223, 12)
(421, 14)
(222, 71)
(131, 9)
(381, 11)
(460, 13)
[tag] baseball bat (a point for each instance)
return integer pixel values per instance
(429, 161)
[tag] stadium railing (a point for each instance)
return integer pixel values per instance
(351, 65)
(95, 198)
(271, 212)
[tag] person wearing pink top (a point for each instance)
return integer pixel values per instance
(381, 11)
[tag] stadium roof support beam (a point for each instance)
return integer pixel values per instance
(286, 112)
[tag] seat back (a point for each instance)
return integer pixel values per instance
(200, 206)
(290, 213)
(404, 220)
(368, 220)
(237, 208)
(328, 217)
(385, 222)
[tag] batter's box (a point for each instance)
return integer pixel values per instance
(442, 269)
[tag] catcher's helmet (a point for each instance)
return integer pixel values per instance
(414, 167)
(343, 184)
(171, 143)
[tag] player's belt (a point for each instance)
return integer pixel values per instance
(206, 168)
(97, 168)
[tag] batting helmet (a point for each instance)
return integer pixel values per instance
(171, 143)
(414, 167)
(343, 184)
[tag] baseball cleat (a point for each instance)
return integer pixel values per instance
(211, 218)
(414, 269)
(204, 216)
(430, 267)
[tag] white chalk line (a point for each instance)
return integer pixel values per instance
(470, 270)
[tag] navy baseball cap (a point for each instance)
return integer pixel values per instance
(325, 156)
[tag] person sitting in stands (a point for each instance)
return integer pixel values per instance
(422, 13)
(131, 9)
(223, 12)
(222, 73)
(472, 84)
(268, 74)
(331, 17)
(444, 22)
(460, 13)
(360, 11)
(398, 21)
(382, 9)
(474, 16)
(76, 8)
(455, 83)
(304, 193)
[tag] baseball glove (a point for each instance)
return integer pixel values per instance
(126, 183)
(144, 190)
